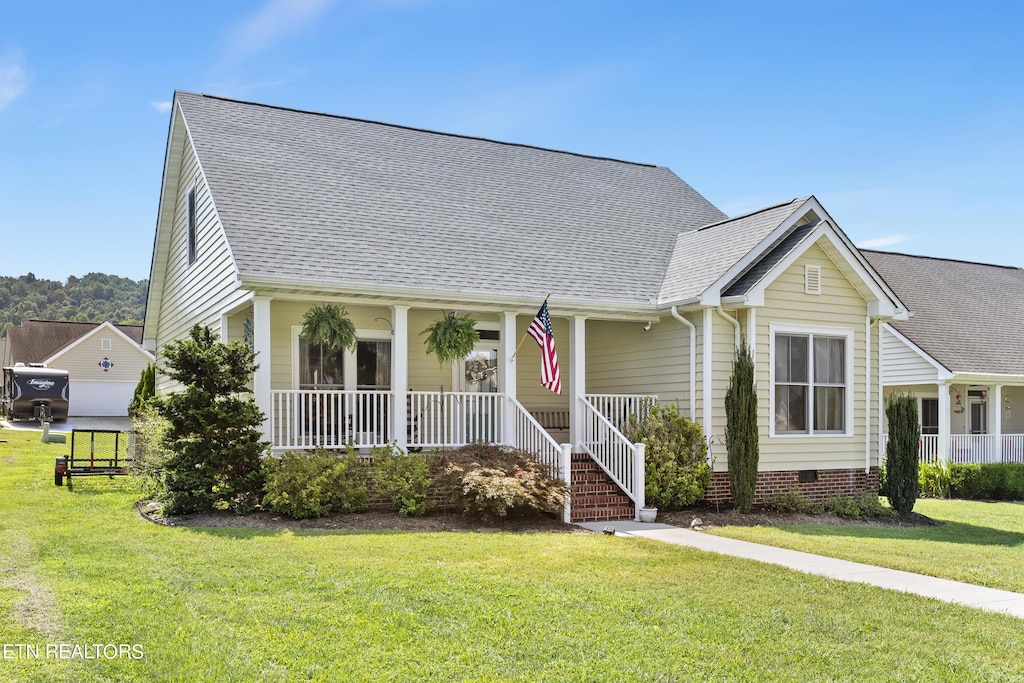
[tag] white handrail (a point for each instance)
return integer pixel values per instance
(622, 460)
(619, 407)
(528, 435)
(454, 418)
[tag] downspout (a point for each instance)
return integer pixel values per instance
(867, 396)
(734, 321)
(693, 360)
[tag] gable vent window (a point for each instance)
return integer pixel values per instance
(812, 279)
(191, 226)
(104, 344)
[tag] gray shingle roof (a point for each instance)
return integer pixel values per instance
(34, 341)
(701, 257)
(968, 316)
(337, 200)
(746, 281)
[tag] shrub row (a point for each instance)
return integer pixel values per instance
(973, 481)
(864, 505)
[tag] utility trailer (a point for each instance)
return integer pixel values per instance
(94, 453)
(31, 392)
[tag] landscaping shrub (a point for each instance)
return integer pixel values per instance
(149, 454)
(990, 481)
(214, 426)
(145, 390)
(403, 478)
(792, 501)
(315, 484)
(933, 480)
(741, 435)
(493, 481)
(676, 471)
(901, 452)
(864, 505)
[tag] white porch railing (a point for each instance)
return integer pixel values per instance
(307, 419)
(971, 448)
(440, 419)
(528, 435)
(618, 407)
(620, 459)
(1013, 447)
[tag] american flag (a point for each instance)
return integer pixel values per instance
(540, 330)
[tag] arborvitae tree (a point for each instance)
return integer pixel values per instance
(901, 452)
(741, 437)
(214, 434)
(145, 390)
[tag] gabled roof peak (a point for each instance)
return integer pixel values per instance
(755, 212)
(414, 128)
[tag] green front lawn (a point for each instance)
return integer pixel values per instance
(221, 604)
(978, 542)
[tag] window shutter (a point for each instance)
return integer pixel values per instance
(812, 279)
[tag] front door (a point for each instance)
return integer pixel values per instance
(978, 416)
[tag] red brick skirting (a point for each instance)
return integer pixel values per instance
(830, 483)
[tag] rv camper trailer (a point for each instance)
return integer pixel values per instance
(35, 393)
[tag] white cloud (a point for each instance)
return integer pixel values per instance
(162, 107)
(271, 22)
(13, 78)
(887, 241)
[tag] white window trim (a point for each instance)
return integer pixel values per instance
(815, 330)
(106, 344)
(349, 357)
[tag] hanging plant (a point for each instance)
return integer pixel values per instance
(329, 324)
(452, 337)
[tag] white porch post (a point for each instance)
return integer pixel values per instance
(577, 376)
(261, 345)
(507, 377)
(944, 418)
(224, 328)
(400, 376)
(995, 409)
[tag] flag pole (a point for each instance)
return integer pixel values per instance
(516, 352)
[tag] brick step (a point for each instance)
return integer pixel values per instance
(586, 467)
(587, 477)
(613, 500)
(580, 490)
(603, 514)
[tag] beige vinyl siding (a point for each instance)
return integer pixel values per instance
(839, 306)
(1013, 422)
(622, 358)
(82, 361)
(723, 350)
(202, 291)
(902, 364)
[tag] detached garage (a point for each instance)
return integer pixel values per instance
(103, 360)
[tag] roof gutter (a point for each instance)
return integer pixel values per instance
(693, 361)
(734, 321)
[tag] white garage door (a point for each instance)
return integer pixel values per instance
(100, 399)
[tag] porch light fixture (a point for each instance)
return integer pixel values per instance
(647, 327)
(389, 325)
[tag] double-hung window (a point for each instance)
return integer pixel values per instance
(810, 383)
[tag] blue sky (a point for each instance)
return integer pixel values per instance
(903, 118)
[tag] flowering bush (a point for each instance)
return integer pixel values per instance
(303, 485)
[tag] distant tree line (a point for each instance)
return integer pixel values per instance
(93, 298)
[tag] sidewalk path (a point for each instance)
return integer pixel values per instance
(988, 599)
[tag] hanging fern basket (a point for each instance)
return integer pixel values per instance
(452, 337)
(329, 325)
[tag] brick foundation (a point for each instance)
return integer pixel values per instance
(830, 483)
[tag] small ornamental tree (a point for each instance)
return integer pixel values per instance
(901, 452)
(676, 469)
(741, 438)
(145, 390)
(213, 432)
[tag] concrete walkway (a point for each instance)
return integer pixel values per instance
(988, 599)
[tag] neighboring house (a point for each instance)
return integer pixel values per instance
(103, 360)
(961, 354)
(266, 210)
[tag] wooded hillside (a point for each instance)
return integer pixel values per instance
(93, 298)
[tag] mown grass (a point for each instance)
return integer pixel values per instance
(247, 605)
(978, 542)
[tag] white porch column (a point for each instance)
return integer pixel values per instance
(507, 377)
(577, 376)
(261, 346)
(944, 418)
(400, 376)
(224, 329)
(995, 409)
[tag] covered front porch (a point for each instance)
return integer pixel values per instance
(973, 421)
(389, 390)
